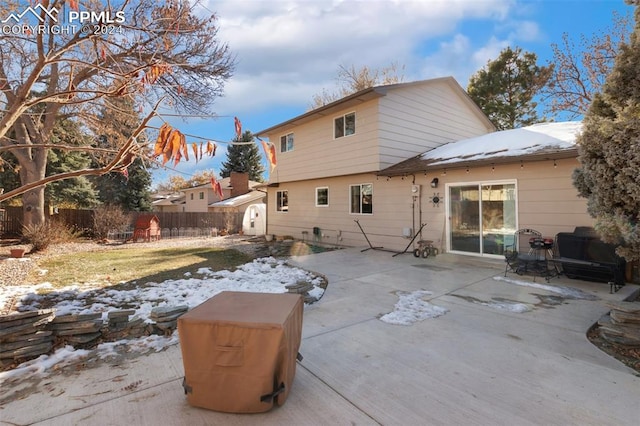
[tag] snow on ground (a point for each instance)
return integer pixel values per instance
(566, 292)
(266, 275)
(411, 308)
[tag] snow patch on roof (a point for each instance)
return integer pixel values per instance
(508, 143)
(239, 200)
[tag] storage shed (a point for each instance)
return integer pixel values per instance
(147, 228)
(255, 219)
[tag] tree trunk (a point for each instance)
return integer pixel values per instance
(33, 170)
(33, 207)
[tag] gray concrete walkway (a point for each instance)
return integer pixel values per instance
(474, 365)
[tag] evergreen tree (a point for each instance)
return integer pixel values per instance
(77, 192)
(610, 152)
(131, 192)
(505, 89)
(244, 158)
(9, 177)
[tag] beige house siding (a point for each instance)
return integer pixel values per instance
(335, 220)
(418, 118)
(197, 204)
(547, 201)
(406, 121)
(317, 154)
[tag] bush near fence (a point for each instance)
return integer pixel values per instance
(173, 224)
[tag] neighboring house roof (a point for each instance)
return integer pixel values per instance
(240, 199)
(225, 183)
(368, 94)
(169, 200)
(537, 142)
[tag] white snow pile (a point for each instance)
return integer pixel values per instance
(264, 275)
(567, 292)
(514, 307)
(410, 309)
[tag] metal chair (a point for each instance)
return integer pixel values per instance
(527, 253)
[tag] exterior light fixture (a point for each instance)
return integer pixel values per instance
(434, 182)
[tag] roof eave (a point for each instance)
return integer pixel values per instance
(347, 102)
(416, 165)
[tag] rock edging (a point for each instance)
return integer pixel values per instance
(28, 335)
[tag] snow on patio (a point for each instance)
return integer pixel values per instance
(267, 275)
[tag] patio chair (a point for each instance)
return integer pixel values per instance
(527, 253)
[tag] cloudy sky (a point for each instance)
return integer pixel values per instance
(288, 51)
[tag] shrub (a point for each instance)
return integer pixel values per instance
(109, 218)
(43, 235)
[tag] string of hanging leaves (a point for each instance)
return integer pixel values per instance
(172, 144)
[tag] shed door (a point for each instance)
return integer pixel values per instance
(482, 217)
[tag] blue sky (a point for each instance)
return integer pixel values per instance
(288, 51)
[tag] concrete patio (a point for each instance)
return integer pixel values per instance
(474, 365)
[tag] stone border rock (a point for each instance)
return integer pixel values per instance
(28, 335)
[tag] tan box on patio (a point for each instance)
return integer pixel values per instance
(239, 350)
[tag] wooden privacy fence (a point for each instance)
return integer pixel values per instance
(173, 224)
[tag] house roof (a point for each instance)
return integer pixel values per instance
(537, 142)
(169, 200)
(366, 95)
(225, 183)
(239, 200)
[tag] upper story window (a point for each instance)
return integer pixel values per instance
(361, 198)
(286, 143)
(282, 201)
(202, 195)
(322, 196)
(344, 125)
(192, 195)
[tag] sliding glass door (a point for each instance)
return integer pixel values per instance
(482, 217)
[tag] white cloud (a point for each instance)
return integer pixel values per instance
(525, 31)
(287, 51)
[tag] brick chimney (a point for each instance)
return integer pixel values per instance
(239, 183)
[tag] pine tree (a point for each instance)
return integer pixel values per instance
(244, 158)
(506, 87)
(610, 152)
(76, 192)
(131, 192)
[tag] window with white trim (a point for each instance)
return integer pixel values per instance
(286, 143)
(322, 196)
(344, 125)
(361, 198)
(282, 201)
